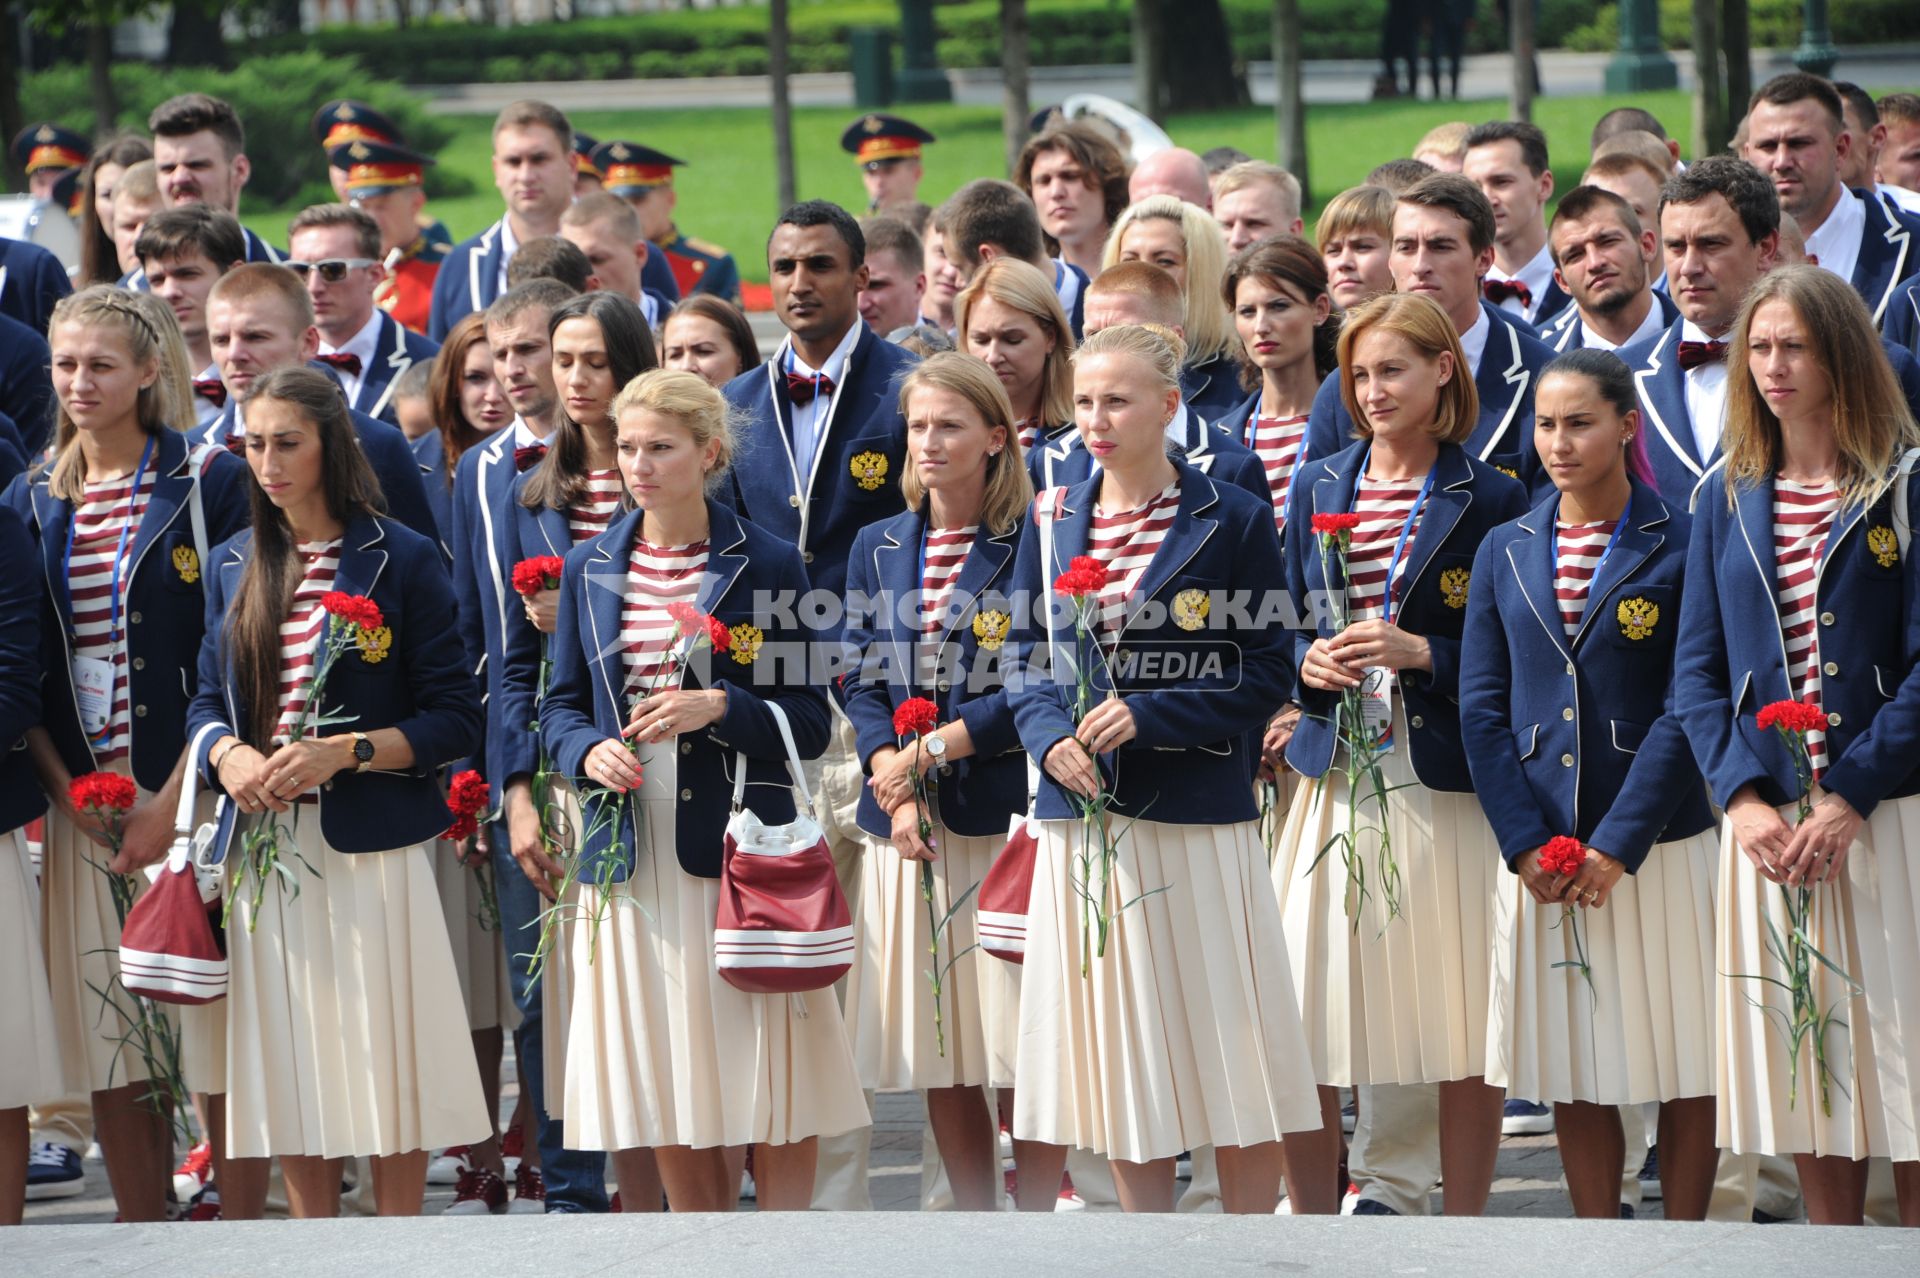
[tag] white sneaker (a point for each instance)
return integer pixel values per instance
(449, 1165)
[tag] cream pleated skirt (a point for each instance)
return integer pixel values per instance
(1391, 999)
(29, 1035)
(479, 954)
(890, 1002)
(1643, 1031)
(1185, 1032)
(662, 1051)
(346, 1034)
(80, 931)
(1868, 922)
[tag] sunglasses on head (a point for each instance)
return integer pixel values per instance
(333, 270)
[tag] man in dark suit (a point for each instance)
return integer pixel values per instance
(1797, 136)
(1507, 160)
(1600, 252)
(336, 248)
(1443, 231)
(260, 319)
(822, 444)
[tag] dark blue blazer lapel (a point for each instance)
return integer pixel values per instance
(554, 533)
(1638, 540)
(896, 566)
(1452, 494)
(1886, 255)
(605, 582)
(1502, 381)
(990, 555)
(362, 556)
(1532, 560)
(1333, 495)
(1190, 531)
(171, 484)
(53, 518)
(1663, 392)
(390, 359)
(1753, 507)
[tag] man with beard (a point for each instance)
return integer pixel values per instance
(1600, 253)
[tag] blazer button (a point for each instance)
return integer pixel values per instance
(1826, 619)
(1567, 714)
(140, 712)
(1566, 761)
(1832, 668)
(686, 747)
(686, 796)
(1416, 722)
(134, 617)
(1834, 718)
(1569, 667)
(794, 500)
(806, 556)
(140, 663)
(943, 685)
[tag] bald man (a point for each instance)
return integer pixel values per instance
(1175, 171)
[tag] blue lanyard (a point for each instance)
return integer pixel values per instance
(1618, 528)
(1406, 529)
(119, 553)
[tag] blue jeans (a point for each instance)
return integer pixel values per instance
(576, 1179)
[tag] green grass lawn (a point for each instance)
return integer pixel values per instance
(727, 189)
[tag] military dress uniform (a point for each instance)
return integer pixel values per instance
(375, 168)
(346, 120)
(879, 141)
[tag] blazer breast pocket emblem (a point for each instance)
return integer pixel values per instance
(186, 562)
(1885, 547)
(869, 470)
(1190, 608)
(1637, 617)
(1453, 587)
(990, 629)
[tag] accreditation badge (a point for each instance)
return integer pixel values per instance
(1376, 707)
(93, 692)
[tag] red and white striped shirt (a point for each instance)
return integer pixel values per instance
(1581, 547)
(98, 521)
(304, 630)
(1026, 430)
(1126, 543)
(946, 554)
(590, 516)
(1277, 441)
(1383, 511)
(656, 577)
(1802, 518)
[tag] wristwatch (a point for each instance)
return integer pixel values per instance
(362, 751)
(937, 747)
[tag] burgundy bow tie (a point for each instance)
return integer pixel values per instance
(211, 389)
(346, 361)
(1694, 354)
(237, 445)
(528, 456)
(1498, 291)
(802, 387)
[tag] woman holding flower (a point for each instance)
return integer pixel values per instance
(1154, 953)
(931, 613)
(650, 706)
(120, 625)
(1801, 588)
(331, 692)
(1603, 977)
(1385, 868)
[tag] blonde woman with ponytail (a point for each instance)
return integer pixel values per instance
(1186, 243)
(121, 624)
(1154, 953)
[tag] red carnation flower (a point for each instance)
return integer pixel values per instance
(914, 716)
(356, 610)
(464, 827)
(531, 576)
(1562, 855)
(103, 792)
(1331, 525)
(718, 635)
(1791, 716)
(1095, 570)
(1084, 576)
(467, 794)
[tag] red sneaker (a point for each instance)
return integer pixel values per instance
(480, 1193)
(613, 1204)
(512, 1142)
(206, 1205)
(529, 1192)
(194, 1171)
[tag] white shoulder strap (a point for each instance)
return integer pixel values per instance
(1902, 517)
(1046, 505)
(801, 794)
(197, 461)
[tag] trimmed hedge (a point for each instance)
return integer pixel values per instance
(1775, 24)
(276, 95)
(732, 41)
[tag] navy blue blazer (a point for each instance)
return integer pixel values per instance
(1212, 386)
(13, 458)
(21, 799)
(747, 567)
(1502, 438)
(31, 281)
(395, 351)
(1889, 254)
(821, 511)
(1731, 660)
(386, 451)
(26, 384)
(418, 686)
(1587, 723)
(258, 250)
(528, 534)
(1570, 334)
(1902, 322)
(430, 454)
(976, 796)
(1678, 468)
(163, 610)
(1070, 285)
(1061, 460)
(482, 577)
(469, 280)
(1469, 499)
(1198, 696)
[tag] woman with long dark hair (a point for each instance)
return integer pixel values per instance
(121, 515)
(467, 406)
(1566, 677)
(99, 259)
(346, 1031)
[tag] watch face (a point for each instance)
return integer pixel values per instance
(363, 750)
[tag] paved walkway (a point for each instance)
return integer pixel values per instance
(1483, 76)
